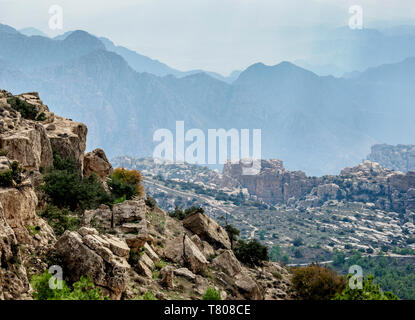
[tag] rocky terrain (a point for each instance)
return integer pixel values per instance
(366, 208)
(128, 249)
(398, 158)
(367, 183)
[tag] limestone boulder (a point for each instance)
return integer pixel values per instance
(102, 257)
(208, 230)
(97, 162)
(167, 277)
(248, 286)
(182, 250)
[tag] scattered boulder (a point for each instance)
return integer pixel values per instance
(186, 273)
(248, 287)
(103, 258)
(208, 230)
(167, 275)
(97, 162)
(227, 262)
(182, 250)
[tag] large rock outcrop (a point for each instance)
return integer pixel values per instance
(273, 184)
(102, 257)
(97, 162)
(367, 182)
(32, 142)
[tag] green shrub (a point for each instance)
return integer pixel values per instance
(6, 179)
(84, 289)
(252, 252)
(369, 291)
(182, 214)
(339, 258)
(233, 233)
(276, 253)
(27, 110)
(60, 219)
(66, 188)
(298, 242)
(211, 294)
(315, 282)
(147, 296)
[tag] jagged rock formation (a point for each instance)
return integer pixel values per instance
(103, 257)
(31, 142)
(29, 133)
(399, 158)
(97, 162)
(368, 182)
(188, 249)
(208, 230)
(126, 249)
(274, 184)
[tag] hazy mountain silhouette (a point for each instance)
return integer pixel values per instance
(318, 124)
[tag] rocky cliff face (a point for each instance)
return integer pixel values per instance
(399, 158)
(274, 184)
(368, 182)
(128, 249)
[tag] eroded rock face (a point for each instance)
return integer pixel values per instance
(19, 210)
(208, 230)
(14, 283)
(182, 250)
(97, 162)
(227, 262)
(31, 142)
(399, 158)
(102, 257)
(367, 182)
(273, 184)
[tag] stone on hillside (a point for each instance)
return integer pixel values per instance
(144, 270)
(186, 273)
(182, 250)
(97, 162)
(129, 211)
(93, 255)
(147, 261)
(248, 287)
(203, 246)
(150, 252)
(167, 275)
(208, 230)
(227, 263)
(195, 259)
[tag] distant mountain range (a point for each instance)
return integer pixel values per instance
(316, 124)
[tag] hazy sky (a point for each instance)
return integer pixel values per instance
(216, 35)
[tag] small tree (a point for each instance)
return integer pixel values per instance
(252, 252)
(315, 282)
(127, 183)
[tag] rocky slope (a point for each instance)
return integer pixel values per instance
(127, 250)
(368, 183)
